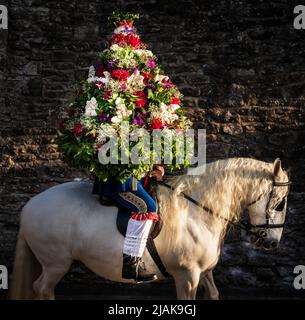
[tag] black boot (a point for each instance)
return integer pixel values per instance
(132, 269)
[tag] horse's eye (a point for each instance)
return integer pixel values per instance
(281, 205)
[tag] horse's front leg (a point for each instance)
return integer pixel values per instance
(186, 282)
(210, 289)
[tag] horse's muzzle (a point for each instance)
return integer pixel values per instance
(264, 243)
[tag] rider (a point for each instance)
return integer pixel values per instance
(132, 195)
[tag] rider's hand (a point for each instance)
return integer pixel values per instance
(157, 173)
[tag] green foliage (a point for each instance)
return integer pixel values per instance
(118, 16)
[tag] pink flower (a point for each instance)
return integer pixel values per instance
(151, 63)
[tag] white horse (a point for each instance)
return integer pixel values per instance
(67, 222)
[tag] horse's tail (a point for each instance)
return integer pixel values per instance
(26, 270)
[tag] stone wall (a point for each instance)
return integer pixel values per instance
(240, 65)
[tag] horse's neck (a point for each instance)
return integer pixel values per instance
(226, 202)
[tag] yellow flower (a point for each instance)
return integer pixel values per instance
(161, 89)
(92, 133)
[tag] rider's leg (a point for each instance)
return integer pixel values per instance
(143, 210)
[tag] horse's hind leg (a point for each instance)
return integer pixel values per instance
(210, 289)
(44, 286)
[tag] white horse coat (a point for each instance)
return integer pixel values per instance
(67, 222)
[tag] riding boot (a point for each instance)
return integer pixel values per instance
(133, 249)
(133, 268)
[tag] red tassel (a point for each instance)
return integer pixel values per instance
(145, 216)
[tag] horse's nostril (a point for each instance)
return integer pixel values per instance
(274, 244)
(262, 233)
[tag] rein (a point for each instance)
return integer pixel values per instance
(241, 225)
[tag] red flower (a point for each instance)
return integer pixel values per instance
(126, 40)
(120, 74)
(147, 76)
(142, 99)
(156, 124)
(107, 95)
(78, 129)
(124, 23)
(133, 40)
(100, 73)
(175, 100)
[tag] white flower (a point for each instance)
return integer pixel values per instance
(174, 107)
(91, 71)
(135, 82)
(143, 54)
(122, 29)
(86, 122)
(160, 77)
(107, 78)
(91, 75)
(91, 106)
(121, 111)
(105, 131)
(119, 101)
(115, 47)
(163, 107)
(116, 120)
(165, 112)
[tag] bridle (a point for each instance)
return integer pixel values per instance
(267, 225)
(242, 225)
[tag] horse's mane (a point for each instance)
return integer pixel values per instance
(214, 189)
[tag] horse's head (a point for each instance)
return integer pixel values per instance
(267, 213)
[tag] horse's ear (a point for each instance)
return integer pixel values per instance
(277, 167)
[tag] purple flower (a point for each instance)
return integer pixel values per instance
(103, 117)
(138, 120)
(150, 86)
(129, 30)
(101, 85)
(97, 66)
(151, 63)
(167, 84)
(111, 64)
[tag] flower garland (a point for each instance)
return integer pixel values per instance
(125, 85)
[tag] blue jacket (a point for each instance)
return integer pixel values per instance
(111, 186)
